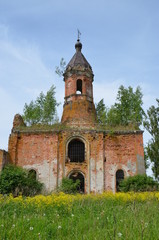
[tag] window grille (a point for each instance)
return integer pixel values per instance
(76, 151)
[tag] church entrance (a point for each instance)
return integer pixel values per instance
(77, 175)
(119, 178)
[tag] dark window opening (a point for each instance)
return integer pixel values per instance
(76, 151)
(77, 175)
(32, 174)
(119, 178)
(79, 87)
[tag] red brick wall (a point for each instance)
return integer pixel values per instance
(4, 158)
(36, 148)
(70, 85)
(81, 113)
(79, 109)
(36, 151)
(47, 153)
(122, 152)
(31, 148)
(92, 167)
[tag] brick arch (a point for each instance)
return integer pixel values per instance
(83, 140)
(119, 176)
(74, 171)
(33, 170)
(119, 167)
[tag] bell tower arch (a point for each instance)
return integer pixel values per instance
(79, 109)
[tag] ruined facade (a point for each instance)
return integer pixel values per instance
(4, 158)
(77, 148)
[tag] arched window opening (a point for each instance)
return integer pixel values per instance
(78, 176)
(79, 86)
(32, 174)
(76, 151)
(119, 178)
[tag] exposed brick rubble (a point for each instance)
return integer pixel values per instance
(18, 121)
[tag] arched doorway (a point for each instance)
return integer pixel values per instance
(119, 178)
(77, 175)
(32, 174)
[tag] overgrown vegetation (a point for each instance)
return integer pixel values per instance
(102, 112)
(69, 186)
(105, 216)
(126, 114)
(138, 183)
(151, 124)
(126, 110)
(42, 110)
(59, 70)
(17, 181)
(44, 127)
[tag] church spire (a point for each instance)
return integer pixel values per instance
(78, 61)
(79, 109)
(78, 45)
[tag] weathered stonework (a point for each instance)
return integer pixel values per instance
(4, 158)
(47, 153)
(79, 148)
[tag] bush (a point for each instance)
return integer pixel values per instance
(138, 183)
(17, 181)
(69, 186)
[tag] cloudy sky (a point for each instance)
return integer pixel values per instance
(120, 40)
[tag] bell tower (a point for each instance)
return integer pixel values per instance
(79, 109)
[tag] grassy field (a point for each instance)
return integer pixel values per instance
(60, 216)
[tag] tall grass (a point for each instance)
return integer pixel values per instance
(105, 216)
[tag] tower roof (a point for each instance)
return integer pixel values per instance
(78, 59)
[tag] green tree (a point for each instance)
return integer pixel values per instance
(126, 110)
(151, 124)
(138, 183)
(101, 111)
(129, 106)
(17, 181)
(61, 69)
(69, 186)
(146, 158)
(113, 116)
(43, 110)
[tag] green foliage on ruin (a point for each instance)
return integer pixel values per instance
(17, 181)
(69, 186)
(138, 183)
(126, 111)
(59, 70)
(151, 124)
(42, 110)
(102, 112)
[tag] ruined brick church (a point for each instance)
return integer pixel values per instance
(78, 148)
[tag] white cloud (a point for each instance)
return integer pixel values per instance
(23, 75)
(108, 90)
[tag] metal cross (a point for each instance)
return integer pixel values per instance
(79, 34)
